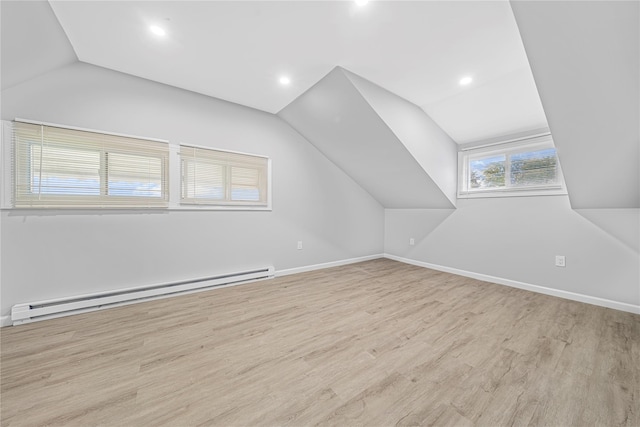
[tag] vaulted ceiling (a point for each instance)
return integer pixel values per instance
(400, 56)
(237, 50)
(386, 144)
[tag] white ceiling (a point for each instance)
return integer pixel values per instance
(237, 50)
(32, 41)
(339, 115)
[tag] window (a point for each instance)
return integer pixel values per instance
(213, 177)
(61, 167)
(510, 169)
(54, 166)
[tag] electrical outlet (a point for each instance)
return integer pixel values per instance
(299, 244)
(412, 241)
(560, 261)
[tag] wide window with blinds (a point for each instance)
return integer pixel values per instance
(520, 168)
(58, 167)
(222, 178)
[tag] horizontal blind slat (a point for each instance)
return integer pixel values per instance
(214, 177)
(59, 167)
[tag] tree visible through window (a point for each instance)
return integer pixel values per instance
(487, 172)
(512, 168)
(534, 168)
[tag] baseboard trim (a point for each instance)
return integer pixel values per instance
(616, 305)
(5, 321)
(313, 267)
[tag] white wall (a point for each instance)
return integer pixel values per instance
(431, 147)
(32, 41)
(585, 58)
(518, 238)
(335, 116)
(50, 254)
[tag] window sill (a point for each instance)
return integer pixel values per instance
(218, 208)
(155, 209)
(512, 193)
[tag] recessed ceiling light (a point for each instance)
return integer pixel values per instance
(465, 81)
(284, 80)
(361, 2)
(158, 31)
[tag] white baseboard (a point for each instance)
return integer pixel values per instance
(616, 305)
(313, 267)
(5, 321)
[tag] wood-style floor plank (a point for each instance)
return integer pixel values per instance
(378, 343)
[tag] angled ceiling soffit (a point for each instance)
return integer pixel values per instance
(374, 136)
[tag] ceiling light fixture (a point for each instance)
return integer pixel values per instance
(158, 31)
(284, 80)
(465, 81)
(361, 2)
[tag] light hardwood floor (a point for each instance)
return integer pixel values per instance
(378, 343)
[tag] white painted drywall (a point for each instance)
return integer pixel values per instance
(33, 42)
(518, 238)
(51, 254)
(432, 148)
(585, 58)
(335, 117)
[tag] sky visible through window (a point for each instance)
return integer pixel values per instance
(217, 193)
(76, 172)
(91, 187)
(487, 172)
(528, 168)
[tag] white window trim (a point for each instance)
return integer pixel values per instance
(58, 125)
(6, 180)
(141, 146)
(174, 184)
(507, 148)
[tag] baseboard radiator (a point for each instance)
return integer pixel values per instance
(42, 310)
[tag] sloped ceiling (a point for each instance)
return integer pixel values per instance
(237, 50)
(432, 148)
(33, 42)
(585, 60)
(583, 54)
(337, 118)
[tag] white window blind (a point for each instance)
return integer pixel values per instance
(61, 167)
(511, 169)
(213, 177)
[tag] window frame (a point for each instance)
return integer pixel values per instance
(20, 174)
(172, 180)
(508, 149)
(225, 204)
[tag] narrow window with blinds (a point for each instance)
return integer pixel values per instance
(214, 177)
(510, 169)
(58, 167)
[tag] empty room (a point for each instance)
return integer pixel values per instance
(295, 213)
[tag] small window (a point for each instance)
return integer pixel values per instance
(61, 167)
(510, 169)
(214, 177)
